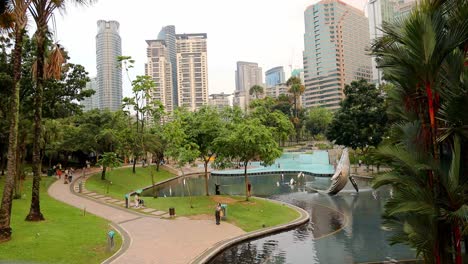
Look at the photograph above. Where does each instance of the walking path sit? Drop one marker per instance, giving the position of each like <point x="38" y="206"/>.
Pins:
<point x="149" y="238"/>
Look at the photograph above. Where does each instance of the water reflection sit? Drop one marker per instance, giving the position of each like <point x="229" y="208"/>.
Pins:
<point x="343" y="229"/>
<point x="346" y="228"/>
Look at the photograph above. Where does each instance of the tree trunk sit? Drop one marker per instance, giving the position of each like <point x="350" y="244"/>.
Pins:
<point x="5" y="208"/>
<point x="103" y="174"/>
<point x="134" y="164"/>
<point x="206" y="177"/>
<point x="2" y="158"/>
<point x="35" y="210"/>
<point x="246" y="181"/>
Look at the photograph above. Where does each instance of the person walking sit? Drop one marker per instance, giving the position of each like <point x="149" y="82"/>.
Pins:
<point x="249" y="189"/>
<point x="218" y="213"/>
<point x="137" y="201"/>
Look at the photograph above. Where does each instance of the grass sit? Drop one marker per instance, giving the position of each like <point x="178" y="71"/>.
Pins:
<point x="124" y="181"/>
<point x="66" y="236"/>
<point x="249" y="216"/>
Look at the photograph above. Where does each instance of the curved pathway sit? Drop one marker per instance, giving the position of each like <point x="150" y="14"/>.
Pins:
<point x="151" y="239"/>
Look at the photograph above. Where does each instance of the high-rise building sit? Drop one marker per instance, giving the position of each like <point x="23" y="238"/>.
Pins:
<point x="91" y="102"/>
<point x="384" y="11"/>
<point x="274" y="76"/>
<point x="109" y="72"/>
<point x="277" y="90"/>
<point x="192" y="70"/>
<point x="168" y="34"/>
<point x="159" y="67"/>
<point x="335" y="42"/>
<point x="248" y="74"/>
<point x="219" y="101"/>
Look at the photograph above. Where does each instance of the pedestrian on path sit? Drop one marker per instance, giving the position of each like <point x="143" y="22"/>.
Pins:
<point x="137" y="201"/>
<point x="218" y="213"/>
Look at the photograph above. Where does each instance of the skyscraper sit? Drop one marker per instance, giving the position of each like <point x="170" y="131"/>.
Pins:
<point x="274" y="76"/>
<point x="248" y="74"/>
<point x="192" y="70"/>
<point x="159" y="67"/>
<point x="384" y="11"/>
<point x="168" y="34"/>
<point x="109" y="74"/>
<point x="335" y="41"/>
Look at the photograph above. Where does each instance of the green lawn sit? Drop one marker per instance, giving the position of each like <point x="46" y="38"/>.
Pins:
<point x="252" y="215"/>
<point x="124" y="181"/>
<point x="249" y="216"/>
<point x="65" y="237"/>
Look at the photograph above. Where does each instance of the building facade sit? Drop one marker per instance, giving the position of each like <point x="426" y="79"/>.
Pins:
<point x="192" y="70"/>
<point x="92" y="102"/>
<point x="219" y="101"/>
<point x="384" y="11"/>
<point x="248" y="74"/>
<point x="109" y="72"/>
<point x="277" y="90"/>
<point x="159" y="67"/>
<point x="168" y="34"/>
<point x="335" y="42"/>
<point x="274" y="76"/>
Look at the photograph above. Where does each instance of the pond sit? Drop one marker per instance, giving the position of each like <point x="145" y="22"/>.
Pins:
<point x="346" y="228"/>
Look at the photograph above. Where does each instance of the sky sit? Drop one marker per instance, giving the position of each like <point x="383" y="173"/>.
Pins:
<point x="269" y="32"/>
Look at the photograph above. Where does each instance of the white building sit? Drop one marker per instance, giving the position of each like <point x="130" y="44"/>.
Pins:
<point x="192" y="70"/>
<point x="248" y="74"/>
<point x="109" y="72"/>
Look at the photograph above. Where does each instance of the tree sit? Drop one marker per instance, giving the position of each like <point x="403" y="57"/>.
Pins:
<point x="108" y="159"/>
<point x="204" y="128"/>
<point x="296" y="89"/>
<point x="179" y="146"/>
<point x="361" y="121"/>
<point x="257" y="90"/>
<point x="20" y="21"/>
<point x="249" y="140"/>
<point x="424" y="57"/>
<point x="317" y="120"/>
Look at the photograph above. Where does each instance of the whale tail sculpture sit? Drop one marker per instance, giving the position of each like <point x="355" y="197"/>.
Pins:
<point x="340" y="178"/>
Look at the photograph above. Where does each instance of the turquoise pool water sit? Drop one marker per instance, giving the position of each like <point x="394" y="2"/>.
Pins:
<point x="316" y="163"/>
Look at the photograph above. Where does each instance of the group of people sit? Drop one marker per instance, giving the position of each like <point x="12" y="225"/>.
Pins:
<point x="68" y="173"/>
<point x="138" y="201"/>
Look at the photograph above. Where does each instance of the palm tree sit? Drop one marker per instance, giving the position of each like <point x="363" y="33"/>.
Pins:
<point x="41" y="11"/>
<point x="424" y="57"/>
<point x="257" y="90"/>
<point x="20" y="19"/>
<point x="296" y="89"/>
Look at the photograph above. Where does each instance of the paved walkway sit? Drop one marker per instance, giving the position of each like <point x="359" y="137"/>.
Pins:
<point x="152" y="239"/>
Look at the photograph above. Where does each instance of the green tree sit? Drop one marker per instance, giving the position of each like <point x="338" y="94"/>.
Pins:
<point x="20" y="19"/>
<point x="317" y="120"/>
<point x="424" y="57"/>
<point x="256" y="90"/>
<point x="249" y="140"/>
<point x="108" y="160"/>
<point x="361" y="121"/>
<point x="296" y="89"/>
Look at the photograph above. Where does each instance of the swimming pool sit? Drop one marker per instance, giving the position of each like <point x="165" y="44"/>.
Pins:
<point x="315" y="164"/>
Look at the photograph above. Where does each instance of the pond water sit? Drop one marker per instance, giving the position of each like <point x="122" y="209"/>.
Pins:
<point x="345" y="228"/>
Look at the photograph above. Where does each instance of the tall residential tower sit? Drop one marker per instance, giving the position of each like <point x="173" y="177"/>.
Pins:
<point x="192" y="70"/>
<point x="335" y="41"/>
<point x="109" y="74"/>
<point x="159" y="67"/>
<point x="248" y="74"/>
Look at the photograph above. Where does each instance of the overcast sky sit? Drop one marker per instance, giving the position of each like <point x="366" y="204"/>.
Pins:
<point x="269" y="32"/>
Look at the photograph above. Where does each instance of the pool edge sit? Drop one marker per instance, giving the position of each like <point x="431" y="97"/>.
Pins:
<point x="217" y="248"/>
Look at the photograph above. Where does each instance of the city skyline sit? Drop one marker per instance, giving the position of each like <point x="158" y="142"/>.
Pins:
<point x="225" y="24"/>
